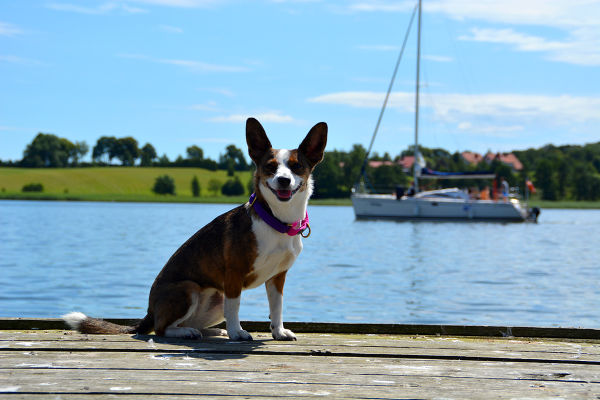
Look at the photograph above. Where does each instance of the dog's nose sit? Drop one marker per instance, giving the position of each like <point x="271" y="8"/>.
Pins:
<point x="283" y="182"/>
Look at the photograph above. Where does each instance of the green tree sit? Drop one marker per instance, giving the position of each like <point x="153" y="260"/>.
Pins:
<point x="147" y="155"/>
<point x="78" y="151"/>
<point x="544" y="176"/>
<point x="127" y="151"/>
<point x="387" y="177"/>
<point x="352" y="164"/>
<point x="33" y="187"/>
<point x="586" y="184"/>
<point x="47" y="150"/>
<point x="329" y="177"/>
<point x="105" y="146"/>
<point x="164" y="185"/>
<point x="196" y="188"/>
<point x="233" y="156"/>
<point x="233" y="187"/>
<point x="164" y="161"/>
<point x="250" y="185"/>
<point x="563" y="173"/>
<point x="195" y="153"/>
<point x="214" y="185"/>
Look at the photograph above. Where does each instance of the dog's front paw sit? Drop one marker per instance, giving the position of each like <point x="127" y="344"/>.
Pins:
<point x="240" y="335"/>
<point x="283" y="334"/>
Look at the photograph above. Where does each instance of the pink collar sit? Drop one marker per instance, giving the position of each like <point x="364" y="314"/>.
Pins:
<point x="293" y="229"/>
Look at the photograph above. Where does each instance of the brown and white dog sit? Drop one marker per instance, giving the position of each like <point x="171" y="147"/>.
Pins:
<point x="201" y="283"/>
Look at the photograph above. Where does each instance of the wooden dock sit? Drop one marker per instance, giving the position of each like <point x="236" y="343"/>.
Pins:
<point x="41" y="360"/>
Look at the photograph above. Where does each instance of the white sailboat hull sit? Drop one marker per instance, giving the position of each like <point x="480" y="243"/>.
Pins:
<point x="439" y="209"/>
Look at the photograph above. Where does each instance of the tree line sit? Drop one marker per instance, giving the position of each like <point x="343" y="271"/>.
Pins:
<point x="50" y="151"/>
<point x="570" y="172"/>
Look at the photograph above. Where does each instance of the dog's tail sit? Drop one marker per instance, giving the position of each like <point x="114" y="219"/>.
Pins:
<point x="84" y="324"/>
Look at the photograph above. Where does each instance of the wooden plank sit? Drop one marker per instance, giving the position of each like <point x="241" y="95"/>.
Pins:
<point x="269" y="376"/>
<point x="353" y="328"/>
<point x="67" y="365"/>
<point x="383" y="346"/>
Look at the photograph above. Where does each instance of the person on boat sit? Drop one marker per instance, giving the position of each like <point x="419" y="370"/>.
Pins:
<point x="495" y="188"/>
<point x="505" y="189"/>
<point x="485" y="193"/>
<point x="411" y="190"/>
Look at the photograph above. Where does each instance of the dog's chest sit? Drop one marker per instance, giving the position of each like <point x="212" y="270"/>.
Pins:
<point x="276" y="252"/>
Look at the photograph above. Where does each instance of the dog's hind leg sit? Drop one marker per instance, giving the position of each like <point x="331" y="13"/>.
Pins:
<point x="175" y="304"/>
<point x="209" y="312"/>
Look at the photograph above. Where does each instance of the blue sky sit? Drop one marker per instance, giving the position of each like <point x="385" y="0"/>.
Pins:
<point x="497" y="74"/>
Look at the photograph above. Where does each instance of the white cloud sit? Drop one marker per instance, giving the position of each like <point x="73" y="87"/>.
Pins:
<point x="392" y="48"/>
<point x="556" y="13"/>
<point x="379" y="47"/>
<point x="366" y="99"/>
<point x="385" y="6"/>
<point x="170" y="29"/>
<point x="181" y="3"/>
<point x="101" y="9"/>
<point x="192" y="65"/>
<point x="274" y="117"/>
<point x="18" y="60"/>
<point x="511" y="109"/>
<point x="583" y="48"/>
<point x="577" y="19"/>
<point x="7" y="29"/>
<point x="508" y="36"/>
<point x="199" y="66"/>
<point x="208" y="106"/>
<point x="497" y="131"/>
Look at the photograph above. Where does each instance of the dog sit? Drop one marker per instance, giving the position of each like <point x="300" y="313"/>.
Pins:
<point x="255" y="243"/>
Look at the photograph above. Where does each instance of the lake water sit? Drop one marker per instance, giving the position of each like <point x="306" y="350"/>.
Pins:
<point x="101" y="259"/>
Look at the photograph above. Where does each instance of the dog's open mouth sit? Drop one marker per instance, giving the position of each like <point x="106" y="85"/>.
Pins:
<point x="283" y="195"/>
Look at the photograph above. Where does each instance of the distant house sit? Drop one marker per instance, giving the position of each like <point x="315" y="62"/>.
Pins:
<point x="377" y="164"/>
<point x="506" y="158"/>
<point x="407" y="162"/>
<point x="471" y="157"/>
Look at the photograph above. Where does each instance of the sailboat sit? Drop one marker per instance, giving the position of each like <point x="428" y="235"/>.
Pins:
<point x="439" y="205"/>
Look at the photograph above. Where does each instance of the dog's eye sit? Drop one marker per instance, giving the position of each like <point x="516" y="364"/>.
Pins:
<point x="271" y="167"/>
<point x="294" y="166"/>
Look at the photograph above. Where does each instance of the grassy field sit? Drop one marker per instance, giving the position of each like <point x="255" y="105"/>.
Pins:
<point x="121" y="184"/>
<point x="113" y="184"/>
<point x="135" y="185"/>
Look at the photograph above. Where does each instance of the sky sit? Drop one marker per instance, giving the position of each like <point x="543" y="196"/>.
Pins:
<point x="496" y="75"/>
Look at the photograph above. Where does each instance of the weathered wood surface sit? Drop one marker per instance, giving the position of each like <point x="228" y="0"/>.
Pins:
<point x="354" y="328"/>
<point x="63" y="364"/>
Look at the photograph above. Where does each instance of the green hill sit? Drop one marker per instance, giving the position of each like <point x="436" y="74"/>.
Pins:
<point x="113" y="183"/>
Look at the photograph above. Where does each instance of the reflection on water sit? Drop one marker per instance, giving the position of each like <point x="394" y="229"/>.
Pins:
<point x="101" y="258"/>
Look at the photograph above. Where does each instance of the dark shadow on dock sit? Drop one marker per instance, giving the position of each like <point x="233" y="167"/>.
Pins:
<point x="210" y="348"/>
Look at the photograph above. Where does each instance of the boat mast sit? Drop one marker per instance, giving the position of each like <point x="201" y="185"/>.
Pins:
<point x="416" y="151"/>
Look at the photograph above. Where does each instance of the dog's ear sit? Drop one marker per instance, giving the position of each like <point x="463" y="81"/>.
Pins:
<point x="313" y="145"/>
<point x="258" y="142"/>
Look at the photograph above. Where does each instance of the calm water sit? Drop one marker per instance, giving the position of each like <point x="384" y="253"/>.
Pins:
<point x="101" y="258"/>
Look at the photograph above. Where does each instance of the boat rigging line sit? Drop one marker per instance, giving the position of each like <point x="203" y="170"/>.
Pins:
<point x="363" y="170"/>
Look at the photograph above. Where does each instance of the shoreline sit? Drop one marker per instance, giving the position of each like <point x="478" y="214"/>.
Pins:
<point x="151" y="198"/>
